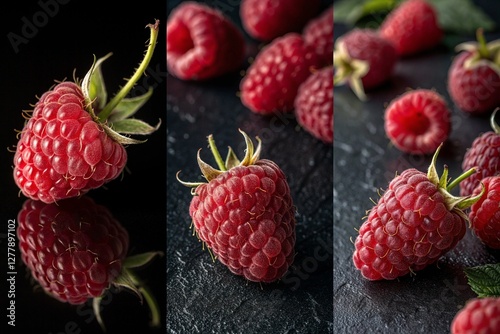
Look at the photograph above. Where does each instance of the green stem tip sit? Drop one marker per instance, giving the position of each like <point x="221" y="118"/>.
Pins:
<point x="482" y="49"/>
<point x="460" y="178"/>
<point x="148" y="296"/>
<point x="110" y="106"/>
<point x="216" y="153"/>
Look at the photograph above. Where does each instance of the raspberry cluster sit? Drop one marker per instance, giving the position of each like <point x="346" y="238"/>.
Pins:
<point x="244" y="213"/>
<point x="417" y="220"/>
<point x="297" y="41"/>
<point x="365" y="58"/>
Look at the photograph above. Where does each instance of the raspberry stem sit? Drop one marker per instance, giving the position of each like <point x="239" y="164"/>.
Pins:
<point x="459" y="179"/>
<point x="452" y="202"/>
<point x="216" y="154"/>
<point x="482" y="48"/>
<point x="147" y="294"/>
<point x="110" y="106"/>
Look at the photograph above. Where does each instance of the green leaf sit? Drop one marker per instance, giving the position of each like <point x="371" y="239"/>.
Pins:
<point x="129" y="106"/>
<point x="351" y="12"/>
<point x="134" y="126"/>
<point x="462" y="17"/>
<point x="139" y="260"/>
<point x="484" y="280"/>
<point x="347" y="11"/>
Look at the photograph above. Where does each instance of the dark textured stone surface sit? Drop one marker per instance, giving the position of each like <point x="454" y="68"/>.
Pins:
<point x="204" y="296"/>
<point x="365" y="161"/>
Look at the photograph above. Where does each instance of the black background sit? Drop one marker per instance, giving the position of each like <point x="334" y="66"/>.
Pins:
<point x="64" y="39"/>
<point x="204" y="296"/>
<point x="364" y="161"/>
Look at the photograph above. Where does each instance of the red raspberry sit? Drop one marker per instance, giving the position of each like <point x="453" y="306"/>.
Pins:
<point x="74" y="249"/>
<point x="245" y="214"/>
<point x="69" y="146"/>
<point x="62" y="151"/>
<point x="474" y="77"/>
<point x="413" y="224"/>
<point x="418" y="121"/>
<point x="412" y="27"/>
<point x="271" y="82"/>
<point x="484" y="155"/>
<point x="484" y="215"/>
<point x="202" y="43"/>
<point x="314" y="104"/>
<point x="364" y="60"/>
<point x="479" y="315"/>
<point x="319" y="32"/>
<point x="266" y="20"/>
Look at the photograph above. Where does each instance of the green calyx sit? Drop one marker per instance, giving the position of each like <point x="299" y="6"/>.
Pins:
<point x="115" y="115"/>
<point x="453" y="203"/>
<point x="129" y="280"/>
<point x="348" y="70"/>
<point x="483" y="53"/>
<point x="252" y="155"/>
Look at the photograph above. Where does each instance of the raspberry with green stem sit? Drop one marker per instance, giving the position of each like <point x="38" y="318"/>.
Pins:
<point x="74" y="140"/>
<point x="244" y="213"/>
<point x="415" y="222"/>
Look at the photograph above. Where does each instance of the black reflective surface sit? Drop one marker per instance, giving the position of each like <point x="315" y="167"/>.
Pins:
<point x="204" y="296"/>
<point x="46" y="41"/>
<point x="365" y="161"/>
